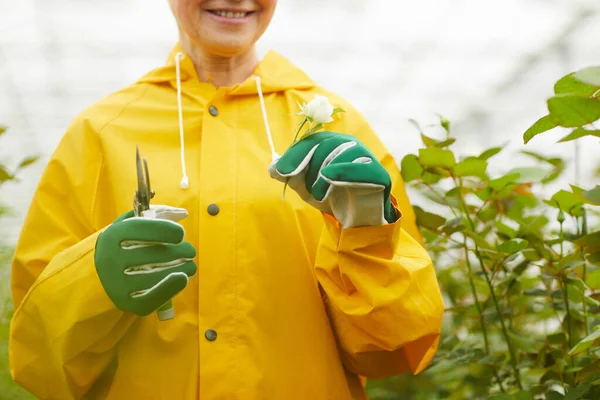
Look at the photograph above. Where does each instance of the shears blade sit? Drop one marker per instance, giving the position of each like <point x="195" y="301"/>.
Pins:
<point x="143" y="194"/>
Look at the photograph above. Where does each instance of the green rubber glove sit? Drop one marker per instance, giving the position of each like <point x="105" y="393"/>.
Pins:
<point x="144" y="262"/>
<point x="340" y="176"/>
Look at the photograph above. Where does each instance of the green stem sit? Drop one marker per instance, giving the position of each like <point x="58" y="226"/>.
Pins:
<point x="513" y="358"/>
<point x="568" y="316"/>
<point x="480" y="312"/>
<point x="477" y="304"/>
<point x="485" y="203"/>
<point x="585" y="314"/>
<point x="300" y="126"/>
<point x="442" y="198"/>
<point x="561" y="220"/>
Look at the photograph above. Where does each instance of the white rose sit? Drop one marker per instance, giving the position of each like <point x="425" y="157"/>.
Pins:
<point x="318" y="109"/>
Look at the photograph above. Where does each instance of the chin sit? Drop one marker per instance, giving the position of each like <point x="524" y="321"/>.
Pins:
<point x="229" y="48"/>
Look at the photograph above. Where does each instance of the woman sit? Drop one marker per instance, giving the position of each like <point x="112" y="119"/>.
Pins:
<point x="272" y="299"/>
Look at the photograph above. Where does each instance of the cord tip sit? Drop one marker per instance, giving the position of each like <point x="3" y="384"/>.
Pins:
<point x="185" y="183"/>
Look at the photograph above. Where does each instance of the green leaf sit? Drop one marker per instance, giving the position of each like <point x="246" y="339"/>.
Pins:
<point x="427" y="219"/>
<point x="589" y="76"/>
<point x="489" y="153"/>
<point x="530" y="174"/>
<point x="479" y="240"/>
<point x="506" y="230"/>
<point x="572" y="264"/>
<point x="576" y="189"/>
<point x="589" y="241"/>
<point x="445" y="123"/>
<point x="446" y="143"/>
<point x="589" y="371"/>
<point x="521" y="267"/>
<point x="592" y="196"/>
<point x="527" y="395"/>
<point x="532" y="255"/>
<point x="431" y="142"/>
<point x="590" y="244"/>
<point x="503" y="181"/>
<point x="488" y="214"/>
<point x="542" y="125"/>
<point x="338" y="110"/>
<point x="526" y="343"/>
<point x="552" y="395"/>
<point x="570" y="84"/>
<point x="536" y="292"/>
<point x="572" y="111"/>
<point x="5" y="175"/>
<point x="566" y="201"/>
<point x="591" y="301"/>
<point x="577" y="392"/>
<point x="311" y="131"/>
<point x="593" y="279"/>
<point x="470" y="167"/>
<point x="578" y="283"/>
<point x="517" y="396"/>
<point x="501" y="396"/>
<point x="410" y="168"/>
<point x="3" y="129"/>
<point x="513" y="246"/>
<point x="415" y="124"/>
<point x="585" y="343"/>
<point x="557" y="338"/>
<point x="28" y="161"/>
<point x="435" y="157"/>
<point x="427" y="141"/>
<point x="484" y="194"/>
<point x="453" y="225"/>
<point x="579" y="133"/>
<point x="555" y="161"/>
<point x="430" y="178"/>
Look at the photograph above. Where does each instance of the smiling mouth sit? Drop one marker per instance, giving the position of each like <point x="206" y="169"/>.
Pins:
<point x="231" y="14"/>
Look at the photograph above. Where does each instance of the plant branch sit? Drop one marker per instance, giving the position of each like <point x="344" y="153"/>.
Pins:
<point x="511" y="350"/>
<point x="442" y="198"/>
<point x="477" y="304"/>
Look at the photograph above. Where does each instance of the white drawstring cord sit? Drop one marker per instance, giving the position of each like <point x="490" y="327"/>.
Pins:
<point x="184" y="184"/>
<point x="274" y="155"/>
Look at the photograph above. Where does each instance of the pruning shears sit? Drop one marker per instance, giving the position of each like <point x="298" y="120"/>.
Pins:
<point x="141" y="204"/>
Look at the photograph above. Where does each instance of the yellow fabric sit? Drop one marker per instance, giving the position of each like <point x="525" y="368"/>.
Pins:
<point x="301" y="307"/>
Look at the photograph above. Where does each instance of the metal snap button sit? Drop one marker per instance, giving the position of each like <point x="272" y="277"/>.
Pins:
<point x="213" y="209"/>
<point x="210" y="335"/>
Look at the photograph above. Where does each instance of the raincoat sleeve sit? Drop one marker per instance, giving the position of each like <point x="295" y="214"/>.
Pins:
<point x="64" y="328"/>
<point x="380" y="287"/>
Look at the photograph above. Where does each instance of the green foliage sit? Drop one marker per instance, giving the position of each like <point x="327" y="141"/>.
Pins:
<point x="8" y="389"/>
<point x="575" y="105"/>
<point x="520" y="271"/>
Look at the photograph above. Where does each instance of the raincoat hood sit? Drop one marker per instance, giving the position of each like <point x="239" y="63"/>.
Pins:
<point x="273" y="74"/>
<point x="275" y="71"/>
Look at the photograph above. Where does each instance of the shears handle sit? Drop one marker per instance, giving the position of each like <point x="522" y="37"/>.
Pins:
<point x="166" y="311"/>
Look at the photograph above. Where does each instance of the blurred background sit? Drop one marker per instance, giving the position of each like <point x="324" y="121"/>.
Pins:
<point x="488" y="66"/>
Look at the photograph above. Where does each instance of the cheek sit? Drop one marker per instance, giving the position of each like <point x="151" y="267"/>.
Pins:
<point x="183" y="8"/>
<point x="268" y="7"/>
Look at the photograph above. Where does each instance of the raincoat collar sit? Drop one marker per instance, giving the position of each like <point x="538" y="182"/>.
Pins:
<point x="276" y="72"/>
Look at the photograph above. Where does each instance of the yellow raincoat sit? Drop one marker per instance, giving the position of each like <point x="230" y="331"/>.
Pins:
<point x="301" y="307"/>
